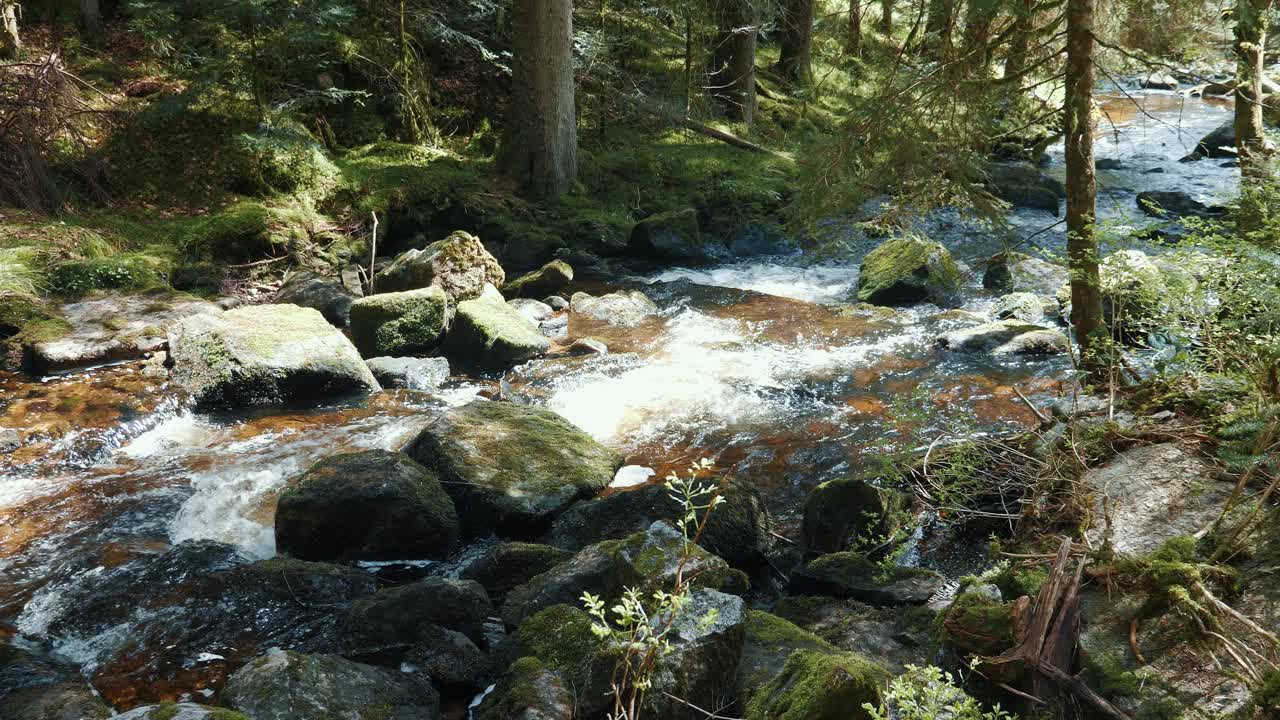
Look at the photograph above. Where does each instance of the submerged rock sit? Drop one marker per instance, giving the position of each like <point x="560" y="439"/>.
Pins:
<point x="399" y="323"/>
<point x="906" y="271"/>
<point x="849" y="574"/>
<point x="843" y="514"/>
<point x="528" y="691"/>
<point x="371" y="505"/>
<point x="176" y="711"/>
<point x="409" y="373"/>
<point x="588" y="346"/>
<point x="1006" y="337"/>
<point x="31" y="687"/>
<point x="284" y="685"/>
<point x="675" y="235"/>
<point x="511" y="468"/>
<point x="265" y="354"/>
<point x="488" y="334"/>
<point x="626" y="308"/>
<point x="549" y="279"/>
<point x="326" y="294"/>
<point x="113" y="329"/>
<point x="459" y="265"/>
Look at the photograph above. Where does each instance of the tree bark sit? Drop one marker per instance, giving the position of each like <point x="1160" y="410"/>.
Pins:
<point x="90" y="21"/>
<point x="939" y="21"/>
<point x="977" y="36"/>
<point x="733" y="59"/>
<point x="853" y="41"/>
<point x="540" y="142"/>
<point x="1020" y="43"/>
<point x="10" y="42"/>
<point x="1082" y="185"/>
<point x="886" y="17"/>
<point x="795" y="57"/>
<point x="1251" y="34"/>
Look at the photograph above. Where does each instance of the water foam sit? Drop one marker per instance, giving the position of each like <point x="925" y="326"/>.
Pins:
<point x="817" y="283"/>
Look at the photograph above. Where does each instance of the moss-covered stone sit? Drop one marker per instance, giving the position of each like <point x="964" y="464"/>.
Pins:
<point x="1134" y="290"/>
<point x="459" y="265"/>
<point x="850" y="513"/>
<point x="511" y="467"/>
<point x="817" y="685"/>
<point x="125" y="271"/>
<point x="399" y="616"/>
<point x="511" y="564"/>
<point x="528" y="690"/>
<point x="399" y="324"/>
<point x="906" y="271"/>
<point x="770" y="641"/>
<point x="1006" y="337"/>
<point x="488" y="334"/>
<point x="265" y="354"/>
<point x="371" y="505"/>
<point x="675" y="235"/>
<point x="1012" y="272"/>
<point x="180" y="711"/>
<point x="977" y="625"/>
<point x="849" y="574"/>
<point x="550" y="279"/>
<point x="560" y="637"/>
<point x="249" y="230"/>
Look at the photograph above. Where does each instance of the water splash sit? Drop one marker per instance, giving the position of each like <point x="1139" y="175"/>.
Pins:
<point x="816" y="283"/>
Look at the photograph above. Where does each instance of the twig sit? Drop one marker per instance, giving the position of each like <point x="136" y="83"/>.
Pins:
<point x="373" y="251"/>
<point x="1043" y="420"/>
<point x="709" y="715"/>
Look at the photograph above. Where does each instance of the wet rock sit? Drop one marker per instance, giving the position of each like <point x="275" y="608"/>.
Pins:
<point x="1108" y="164"/>
<point x="532" y="310"/>
<point x="1154" y="493"/>
<point x="755" y="239"/>
<point x="1159" y="81"/>
<point x="894" y="636"/>
<point x="265" y="354"/>
<point x="908" y="270"/>
<point x="528" y="691"/>
<point x="488" y="334"/>
<point x="511" y="564"/>
<point x="449" y="658"/>
<point x="675" y="235"/>
<point x="399" y="323"/>
<point x="849" y="574"/>
<point x="184" y="619"/>
<point x="1016" y="272"/>
<point x="958" y="317"/>
<point x="770" y="640"/>
<point x="1219" y="143"/>
<point x="459" y="265"/>
<point x="394" y="620"/>
<point x="371" y="505"/>
<point x="284" y="685"/>
<point x="817" y="685"/>
<point x="644" y="560"/>
<point x="1023" y="306"/>
<point x="546" y="280"/>
<point x="847" y="513"/>
<point x="511" y="468"/>
<point x="1025" y="186"/>
<point x="113" y="329"/>
<point x="1131" y="280"/>
<point x="560" y="640"/>
<point x="626" y="308"/>
<point x="556" y="302"/>
<point x="1176" y="204"/>
<point x="326" y="294"/>
<point x="588" y="346"/>
<point x="738" y="530"/>
<point x="180" y="711"/>
<point x="10" y="440"/>
<point x="409" y="373"/>
<point x="1006" y="337"/>
<point x="32" y="687"/>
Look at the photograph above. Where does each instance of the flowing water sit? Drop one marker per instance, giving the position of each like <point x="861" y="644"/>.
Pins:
<point x="763" y="366"/>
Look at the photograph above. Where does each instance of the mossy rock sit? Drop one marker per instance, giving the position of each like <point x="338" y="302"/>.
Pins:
<point x="459" y="265"/>
<point x="528" y="690"/>
<point x="819" y="685"/>
<point x="550" y="279"/>
<point x="181" y="711"/>
<point x="398" y="616"/>
<point x="511" y="564"/>
<point x="282" y="157"/>
<point x="488" y="334"/>
<point x="249" y="230"/>
<point x="1011" y="272"/>
<point x="399" y="324"/>
<point x="909" y="270"/>
<point x="675" y="235"/>
<point x="265" y="354"/>
<point x="850" y="513"/>
<point x="850" y="574"/>
<point x="975" y="624"/>
<point x="770" y="641"/>
<point x="125" y="271"/>
<point x="510" y="468"/>
<point x="1006" y="337"/>
<point x="371" y="505"/>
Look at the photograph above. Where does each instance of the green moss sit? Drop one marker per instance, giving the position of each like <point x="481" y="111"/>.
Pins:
<point x="251" y="230"/>
<point x="126" y="271"/>
<point x="1266" y="697"/>
<point x="908" y="269"/>
<point x="164" y="711"/>
<point x="399" y="324"/>
<point x="561" y="638"/>
<point x="1015" y="582"/>
<point x="977" y="625"/>
<point x="819" y="686"/>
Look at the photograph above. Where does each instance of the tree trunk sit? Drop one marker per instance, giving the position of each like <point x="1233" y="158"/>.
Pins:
<point x="1020" y="43"/>
<point x="794" y="60"/>
<point x="10" y="43"/>
<point x="733" y="59"/>
<point x="853" y="41"/>
<point x="1251" y="33"/>
<point x="977" y="36"/>
<point x="937" y="27"/>
<point x="90" y="21"/>
<point x="886" y="17"/>
<point x="1082" y="184"/>
<point x="540" y="143"/>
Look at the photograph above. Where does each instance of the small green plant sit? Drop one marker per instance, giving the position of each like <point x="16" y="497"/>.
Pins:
<point x="927" y="693"/>
<point x="637" y="634"/>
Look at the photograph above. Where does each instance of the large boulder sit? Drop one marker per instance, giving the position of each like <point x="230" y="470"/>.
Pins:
<point x="174" y="711"/>
<point x="1011" y="272"/>
<point x="1022" y="306"/>
<point x="626" y="308"/>
<point x="849" y="513"/>
<point x="488" y="334"/>
<point x="409" y="373"/>
<point x="1176" y="204"/>
<point x="399" y="323"/>
<point x="550" y="279"/>
<point x="459" y="265"/>
<point x="647" y="560"/>
<point x="326" y="294"/>
<point x="511" y="468"/>
<point x="1025" y="186"/>
<point x="737" y="530"/>
<point x="449" y="658"/>
<point x="908" y="270"/>
<point x="284" y="685"/>
<point x="1006" y="337"/>
<point x="509" y="565"/>
<point x="851" y="575"/>
<point x="264" y="354"/>
<point x="675" y="235"/>
<point x="395" y="620"/>
<point x="370" y="505"/>
<point x="894" y="636"/>
<point x="817" y="685"/>
<point x="1219" y="143"/>
<point x="528" y="691"/>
